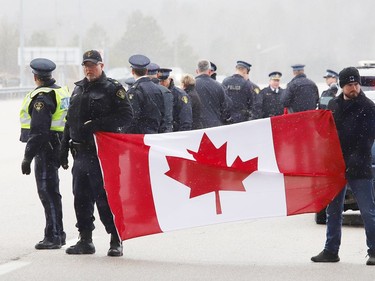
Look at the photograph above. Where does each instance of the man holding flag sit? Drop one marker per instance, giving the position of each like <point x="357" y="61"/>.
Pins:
<point x="354" y="116"/>
<point x="98" y="103"/>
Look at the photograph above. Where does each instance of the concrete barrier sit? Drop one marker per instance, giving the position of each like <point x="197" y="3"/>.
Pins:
<point x="14" y="92"/>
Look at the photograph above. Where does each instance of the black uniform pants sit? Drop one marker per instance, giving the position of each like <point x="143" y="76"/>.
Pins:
<point x="47" y="181"/>
<point x="88" y="189"/>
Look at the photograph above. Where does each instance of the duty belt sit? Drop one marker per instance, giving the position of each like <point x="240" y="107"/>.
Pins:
<point x="80" y="146"/>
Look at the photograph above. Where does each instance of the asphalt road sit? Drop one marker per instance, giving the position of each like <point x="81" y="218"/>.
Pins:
<point x="263" y="249"/>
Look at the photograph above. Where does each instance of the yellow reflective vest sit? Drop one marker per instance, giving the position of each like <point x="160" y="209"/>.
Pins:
<point x="58" y="117"/>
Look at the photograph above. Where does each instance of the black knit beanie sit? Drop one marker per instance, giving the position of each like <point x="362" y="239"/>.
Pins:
<point x="349" y="75"/>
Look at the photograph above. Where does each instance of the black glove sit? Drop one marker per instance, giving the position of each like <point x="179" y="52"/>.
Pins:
<point x="25" y="167"/>
<point x="63" y="157"/>
<point x="64" y="163"/>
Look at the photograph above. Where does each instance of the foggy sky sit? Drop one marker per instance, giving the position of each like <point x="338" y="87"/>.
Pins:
<point x="269" y="34"/>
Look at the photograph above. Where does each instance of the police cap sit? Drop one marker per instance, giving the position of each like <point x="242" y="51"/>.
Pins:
<point x="276" y="75"/>
<point x="163" y="73"/>
<point x="297" y="67"/>
<point x="152" y="68"/>
<point x="42" y="67"/>
<point x="244" y="64"/>
<point x="129" y="81"/>
<point x="213" y="66"/>
<point x="92" y="56"/>
<point x="331" y="73"/>
<point x="139" y="61"/>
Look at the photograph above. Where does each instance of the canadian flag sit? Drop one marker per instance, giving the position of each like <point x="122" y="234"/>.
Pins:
<point x="278" y="166"/>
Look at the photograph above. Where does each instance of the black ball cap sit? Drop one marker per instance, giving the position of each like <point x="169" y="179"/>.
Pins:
<point x="42" y="66"/>
<point x="92" y="56"/>
<point x="139" y="61"/>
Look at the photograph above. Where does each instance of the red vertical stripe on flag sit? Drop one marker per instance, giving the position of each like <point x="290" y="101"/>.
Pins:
<point x="124" y="160"/>
<point x="308" y="153"/>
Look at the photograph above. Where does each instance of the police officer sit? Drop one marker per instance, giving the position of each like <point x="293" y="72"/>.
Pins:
<point x="268" y="102"/>
<point x="182" y="111"/>
<point x="240" y="91"/>
<point x="42" y="122"/>
<point x="354" y="116"/>
<point x="331" y="80"/>
<point x="145" y="97"/>
<point x="98" y="103"/>
<point x="188" y="85"/>
<point x="301" y="93"/>
<point x="166" y="125"/>
<point x="255" y="88"/>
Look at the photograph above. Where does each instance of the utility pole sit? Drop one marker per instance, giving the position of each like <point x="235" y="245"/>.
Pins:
<point x="21" y="48"/>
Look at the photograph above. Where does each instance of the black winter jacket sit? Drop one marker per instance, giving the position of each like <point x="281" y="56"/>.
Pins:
<point x="355" y="122"/>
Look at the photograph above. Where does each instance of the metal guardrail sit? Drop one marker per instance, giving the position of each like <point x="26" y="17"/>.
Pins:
<point x="14" y="92"/>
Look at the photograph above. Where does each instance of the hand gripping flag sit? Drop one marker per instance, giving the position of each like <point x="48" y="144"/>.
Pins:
<point x="278" y="166"/>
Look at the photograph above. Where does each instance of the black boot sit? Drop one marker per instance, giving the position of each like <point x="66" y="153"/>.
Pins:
<point x="115" y="249"/>
<point x="63" y="238"/>
<point x="84" y="245"/>
<point x="371" y="259"/>
<point x="49" y="243"/>
<point x="325" y="256"/>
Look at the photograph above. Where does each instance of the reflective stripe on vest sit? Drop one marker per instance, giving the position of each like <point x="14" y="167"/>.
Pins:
<point x="58" y="117"/>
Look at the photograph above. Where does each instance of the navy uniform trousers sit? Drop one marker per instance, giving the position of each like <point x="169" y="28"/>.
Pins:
<point x="88" y="189"/>
<point x="47" y="182"/>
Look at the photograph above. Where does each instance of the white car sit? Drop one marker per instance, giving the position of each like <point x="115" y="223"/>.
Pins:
<point x="368" y="80"/>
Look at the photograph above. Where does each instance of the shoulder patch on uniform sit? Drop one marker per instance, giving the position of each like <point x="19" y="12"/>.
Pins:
<point x="38" y="105"/>
<point x="114" y="81"/>
<point x="121" y="94"/>
<point x="65" y="103"/>
<point x="185" y="99"/>
<point x="257" y="90"/>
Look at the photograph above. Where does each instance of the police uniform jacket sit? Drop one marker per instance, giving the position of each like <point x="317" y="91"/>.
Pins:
<point x="301" y="94"/>
<point x="166" y="125"/>
<point x="196" y="107"/>
<point x="182" y="111"/>
<point x="355" y="122"/>
<point x="102" y="101"/>
<point x="147" y="113"/>
<point x="40" y="136"/>
<point x="214" y="101"/>
<point x="268" y="103"/>
<point x="240" y="91"/>
<point x="329" y="93"/>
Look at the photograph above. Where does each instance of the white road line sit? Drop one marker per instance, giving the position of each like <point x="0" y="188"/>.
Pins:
<point x="11" y="266"/>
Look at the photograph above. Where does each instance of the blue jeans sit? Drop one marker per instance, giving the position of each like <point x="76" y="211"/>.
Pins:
<point x="363" y="192"/>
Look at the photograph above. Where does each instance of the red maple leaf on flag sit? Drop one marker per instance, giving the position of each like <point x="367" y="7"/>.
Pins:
<point x="210" y="173"/>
